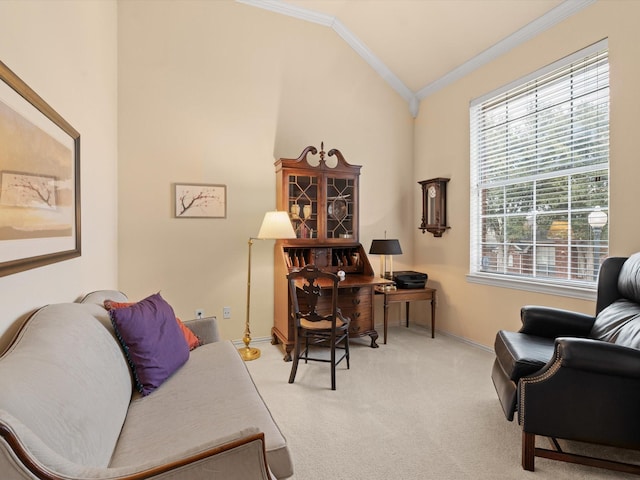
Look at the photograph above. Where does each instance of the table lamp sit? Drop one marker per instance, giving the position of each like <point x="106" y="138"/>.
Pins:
<point x="386" y="247"/>
<point x="275" y="225"/>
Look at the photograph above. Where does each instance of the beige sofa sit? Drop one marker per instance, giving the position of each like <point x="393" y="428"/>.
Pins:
<point x="68" y="409"/>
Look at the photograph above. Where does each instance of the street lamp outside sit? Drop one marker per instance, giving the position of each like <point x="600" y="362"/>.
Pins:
<point x="597" y="220"/>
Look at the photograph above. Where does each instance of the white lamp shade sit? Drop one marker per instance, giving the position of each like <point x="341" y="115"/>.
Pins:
<point x="276" y="225"/>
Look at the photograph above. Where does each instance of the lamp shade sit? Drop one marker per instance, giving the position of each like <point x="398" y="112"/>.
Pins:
<point x="276" y="225"/>
<point x="385" y="247"/>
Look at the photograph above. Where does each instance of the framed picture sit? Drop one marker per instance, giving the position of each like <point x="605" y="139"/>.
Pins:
<point x="39" y="180"/>
<point x="197" y="200"/>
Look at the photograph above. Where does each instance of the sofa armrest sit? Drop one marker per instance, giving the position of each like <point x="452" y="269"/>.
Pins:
<point x="554" y="322"/>
<point x="206" y="329"/>
<point x="238" y="457"/>
<point x="236" y="460"/>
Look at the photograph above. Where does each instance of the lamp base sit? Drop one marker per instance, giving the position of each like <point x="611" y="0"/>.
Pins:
<point x="249" y="353"/>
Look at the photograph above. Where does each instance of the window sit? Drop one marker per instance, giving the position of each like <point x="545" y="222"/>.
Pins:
<point x="540" y="177"/>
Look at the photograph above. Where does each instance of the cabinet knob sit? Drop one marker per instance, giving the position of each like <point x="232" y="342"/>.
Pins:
<point x="356" y="301"/>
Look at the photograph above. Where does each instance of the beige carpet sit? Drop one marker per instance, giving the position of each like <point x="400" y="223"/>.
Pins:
<point x="416" y="408"/>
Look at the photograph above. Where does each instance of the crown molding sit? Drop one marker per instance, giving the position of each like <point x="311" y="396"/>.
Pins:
<point x="546" y="21"/>
<point x="337" y="26"/>
<point x="279" y="6"/>
<point x="377" y="64"/>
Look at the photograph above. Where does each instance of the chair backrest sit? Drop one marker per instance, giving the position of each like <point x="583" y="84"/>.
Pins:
<point x="619" y="278"/>
<point x="629" y="278"/>
<point x="314" y="294"/>
<point x="608" y="282"/>
<point x="618" y="306"/>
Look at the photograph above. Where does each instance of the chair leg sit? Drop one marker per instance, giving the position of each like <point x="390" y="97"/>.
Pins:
<point x="294" y="369"/>
<point x="333" y="365"/>
<point x="346" y="347"/>
<point x="294" y="365"/>
<point x="306" y="349"/>
<point x="528" y="451"/>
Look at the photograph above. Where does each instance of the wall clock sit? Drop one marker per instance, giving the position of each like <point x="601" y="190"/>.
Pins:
<point x="434" y="206"/>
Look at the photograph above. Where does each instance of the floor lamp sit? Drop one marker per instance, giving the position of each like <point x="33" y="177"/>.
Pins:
<point x="275" y="225"/>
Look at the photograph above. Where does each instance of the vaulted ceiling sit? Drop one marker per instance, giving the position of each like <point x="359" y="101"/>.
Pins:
<point x="419" y="46"/>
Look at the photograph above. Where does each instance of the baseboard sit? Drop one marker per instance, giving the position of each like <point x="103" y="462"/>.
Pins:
<point x="467" y="341"/>
<point x="239" y="343"/>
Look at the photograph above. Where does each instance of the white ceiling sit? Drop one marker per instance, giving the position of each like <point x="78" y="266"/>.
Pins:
<point x="419" y="46"/>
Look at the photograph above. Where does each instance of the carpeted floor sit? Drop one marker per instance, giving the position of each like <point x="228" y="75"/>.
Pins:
<point x="416" y="408"/>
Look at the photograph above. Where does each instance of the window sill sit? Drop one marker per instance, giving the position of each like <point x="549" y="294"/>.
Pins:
<point x="563" y="290"/>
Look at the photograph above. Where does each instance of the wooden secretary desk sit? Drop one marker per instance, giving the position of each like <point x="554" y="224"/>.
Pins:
<point x="322" y="201"/>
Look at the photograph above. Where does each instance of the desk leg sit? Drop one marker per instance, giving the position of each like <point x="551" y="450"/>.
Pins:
<point x="433" y="316"/>
<point x="374" y="337"/>
<point x="386" y="318"/>
<point x="407" y="304"/>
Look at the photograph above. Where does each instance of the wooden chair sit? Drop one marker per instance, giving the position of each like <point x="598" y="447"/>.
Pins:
<point x="318" y="320"/>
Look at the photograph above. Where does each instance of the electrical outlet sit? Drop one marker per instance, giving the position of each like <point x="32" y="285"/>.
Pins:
<point x="199" y="313"/>
<point x="226" y="312"/>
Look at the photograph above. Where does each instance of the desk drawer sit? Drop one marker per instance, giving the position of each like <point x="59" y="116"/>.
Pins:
<point x="355" y="303"/>
<point x="349" y="304"/>
<point x="354" y="296"/>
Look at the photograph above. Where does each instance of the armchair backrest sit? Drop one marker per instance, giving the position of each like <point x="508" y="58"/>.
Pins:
<point x="629" y="278"/>
<point x="618" y="306"/>
<point x="608" y="291"/>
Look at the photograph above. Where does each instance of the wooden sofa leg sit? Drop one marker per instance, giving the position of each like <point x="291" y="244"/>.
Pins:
<point x="528" y="450"/>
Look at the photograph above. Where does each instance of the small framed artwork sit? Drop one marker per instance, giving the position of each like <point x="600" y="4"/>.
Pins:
<point x="39" y="180"/>
<point x="198" y="200"/>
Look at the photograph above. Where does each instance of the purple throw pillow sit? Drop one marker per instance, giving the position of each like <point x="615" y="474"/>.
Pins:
<point x="153" y="343"/>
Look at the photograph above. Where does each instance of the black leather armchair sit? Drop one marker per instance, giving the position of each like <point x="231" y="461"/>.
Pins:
<point x="575" y="376"/>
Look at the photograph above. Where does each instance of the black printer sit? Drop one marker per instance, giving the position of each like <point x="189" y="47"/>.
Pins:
<point x="409" y="279"/>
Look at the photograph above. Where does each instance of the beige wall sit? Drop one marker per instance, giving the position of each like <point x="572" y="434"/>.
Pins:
<point x="66" y="52"/>
<point x="476" y="312"/>
<point x="215" y="92"/>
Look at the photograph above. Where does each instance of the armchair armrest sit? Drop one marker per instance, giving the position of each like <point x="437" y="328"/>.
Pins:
<point x="206" y="329"/>
<point x="598" y="357"/>
<point x="554" y="322"/>
<point x="589" y="391"/>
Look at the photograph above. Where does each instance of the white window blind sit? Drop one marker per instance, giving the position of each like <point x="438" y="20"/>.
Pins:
<point x="540" y="174"/>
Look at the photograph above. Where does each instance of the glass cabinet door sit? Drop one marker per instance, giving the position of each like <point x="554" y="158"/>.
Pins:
<point x="322" y="198"/>
<point x="303" y="205"/>
<point x="341" y="197"/>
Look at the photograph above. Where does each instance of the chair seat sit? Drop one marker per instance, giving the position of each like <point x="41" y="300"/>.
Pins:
<point x="520" y="354"/>
<point x="321" y="324"/>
